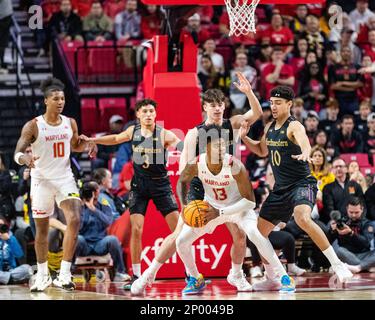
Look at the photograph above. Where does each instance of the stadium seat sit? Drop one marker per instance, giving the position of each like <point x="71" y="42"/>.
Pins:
<point x="102" y="58"/>
<point x="361" y="158"/>
<point x="108" y="107"/>
<point x="89" y="116"/>
<point x="70" y="48"/>
<point x="367" y="170"/>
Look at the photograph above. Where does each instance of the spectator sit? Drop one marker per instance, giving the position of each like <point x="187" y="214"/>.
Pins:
<point x="353" y="167"/>
<point x="331" y="123"/>
<point x="151" y="22"/>
<point x="354" y="238"/>
<point x="320" y="169"/>
<point x="209" y="48"/>
<point x="105" y="153"/>
<point x="208" y="76"/>
<point x="65" y="24"/>
<point x="97" y="26"/>
<point x="82" y="7"/>
<point x="194" y="29"/>
<point x="361" y="14"/>
<point x="367" y="92"/>
<point x="370" y="70"/>
<point x="347" y="140"/>
<point x="370" y="202"/>
<point x="335" y="34"/>
<point x="370" y="48"/>
<point x="358" y="177"/>
<point x="93" y="238"/>
<point x="320" y="139"/>
<point x="279" y="35"/>
<point x="6" y="12"/>
<point x="104" y="179"/>
<point x="277" y="72"/>
<point x="316" y="39"/>
<point x="361" y="119"/>
<point x="363" y="35"/>
<point x="311" y="125"/>
<point x="10" y="251"/>
<point x="346" y="40"/>
<point x="313" y="88"/>
<point x="238" y="98"/>
<point x="299" y="56"/>
<point x="128" y="22"/>
<point x="369" y="137"/>
<point x="298" y="24"/>
<point x="264" y="57"/>
<point x="298" y="110"/>
<point x="7" y="209"/>
<point x="337" y="193"/>
<point x="344" y="81"/>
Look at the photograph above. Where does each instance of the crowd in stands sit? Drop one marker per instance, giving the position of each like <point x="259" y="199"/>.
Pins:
<point x="332" y="71"/>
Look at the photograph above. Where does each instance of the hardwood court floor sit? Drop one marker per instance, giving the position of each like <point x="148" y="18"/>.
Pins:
<point x="310" y="287"/>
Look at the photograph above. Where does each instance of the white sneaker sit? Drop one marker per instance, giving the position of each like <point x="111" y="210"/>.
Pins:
<point x="342" y="272"/>
<point x="121" y="277"/>
<point x="138" y="287"/>
<point x="239" y="281"/>
<point x="64" y="281"/>
<point x="256" y="272"/>
<point x="296" y="271"/>
<point x="41" y="283"/>
<point x="267" y="285"/>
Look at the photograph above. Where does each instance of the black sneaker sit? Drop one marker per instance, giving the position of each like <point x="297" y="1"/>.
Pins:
<point x="128" y="285"/>
<point x="64" y="282"/>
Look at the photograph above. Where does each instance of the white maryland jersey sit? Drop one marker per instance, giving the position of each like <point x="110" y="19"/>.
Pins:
<point x="220" y="190"/>
<point x="52" y="146"/>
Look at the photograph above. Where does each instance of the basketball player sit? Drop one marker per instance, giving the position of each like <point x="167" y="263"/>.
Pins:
<point x="150" y="181"/>
<point x="213" y="102"/>
<point x="288" y="149"/>
<point x="52" y="137"/>
<point x="231" y="198"/>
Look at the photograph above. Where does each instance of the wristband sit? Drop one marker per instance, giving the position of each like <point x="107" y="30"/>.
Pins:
<point x="17" y="157"/>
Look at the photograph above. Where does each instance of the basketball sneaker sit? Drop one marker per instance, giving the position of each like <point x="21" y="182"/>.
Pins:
<point x="127" y="286"/>
<point x="239" y="281"/>
<point x="138" y="287"/>
<point x="41" y="283"/>
<point x="294" y="270"/>
<point x="267" y="285"/>
<point x="256" y="272"/>
<point x="194" y="285"/>
<point x="342" y="272"/>
<point x="121" y="277"/>
<point x="64" y="281"/>
<point x="287" y="284"/>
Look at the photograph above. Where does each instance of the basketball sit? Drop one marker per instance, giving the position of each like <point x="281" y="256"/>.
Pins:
<point x="192" y="213"/>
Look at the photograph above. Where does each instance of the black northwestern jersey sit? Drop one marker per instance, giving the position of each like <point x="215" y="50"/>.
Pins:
<point x="227" y="135"/>
<point x="149" y="155"/>
<point x="286" y="170"/>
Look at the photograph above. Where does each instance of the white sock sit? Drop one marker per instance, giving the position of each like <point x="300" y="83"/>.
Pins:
<point x="136" y="269"/>
<point x="270" y="272"/>
<point x="155" y="266"/>
<point x="65" y="267"/>
<point x="236" y="267"/>
<point x="43" y="268"/>
<point x="331" y="256"/>
<point x="291" y="266"/>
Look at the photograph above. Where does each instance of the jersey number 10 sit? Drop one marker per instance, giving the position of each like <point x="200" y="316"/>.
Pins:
<point x="58" y="150"/>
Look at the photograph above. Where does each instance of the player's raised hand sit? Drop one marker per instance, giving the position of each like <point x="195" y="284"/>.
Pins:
<point x="243" y="84"/>
<point x="29" y="160"/>
<point x="302" y="157"/>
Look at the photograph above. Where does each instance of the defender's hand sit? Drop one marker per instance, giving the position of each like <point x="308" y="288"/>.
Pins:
<point x="93" y="150"/>
<point x="29" y="160"/>
<point x="244" y="129"/>
<point x="243" y="85"/>
<point x="302" y="157"/>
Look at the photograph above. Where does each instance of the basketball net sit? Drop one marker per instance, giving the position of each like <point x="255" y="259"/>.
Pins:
<point x="241" y="16"/>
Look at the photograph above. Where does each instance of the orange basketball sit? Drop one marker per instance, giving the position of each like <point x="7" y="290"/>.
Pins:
<point x="192" y="213"/>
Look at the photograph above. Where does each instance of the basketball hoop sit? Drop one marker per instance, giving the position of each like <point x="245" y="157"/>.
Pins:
<point x="241" y="16"/>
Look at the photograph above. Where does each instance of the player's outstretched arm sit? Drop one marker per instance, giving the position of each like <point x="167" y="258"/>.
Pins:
<point x="171" y="140"/>
<point x="80" y="145"/>
<point x="190" y="171"/>
<point x="298" y="132"/>
<point x="258" y="147"/>
<point x="111" y="139"/>
<point x="29" y="134"/>
<point x="256" y="109"/>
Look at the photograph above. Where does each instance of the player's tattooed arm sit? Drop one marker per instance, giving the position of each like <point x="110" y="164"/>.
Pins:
<point x="297" y="132"/>
<point x="190" y="171"/>
<point x="255" y="112"/>
<point x="258" y="147"/>
<point x="29" y="134"/>
<point x="111" y="139"/>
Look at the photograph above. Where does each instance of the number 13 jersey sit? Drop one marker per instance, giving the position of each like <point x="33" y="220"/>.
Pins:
<point x="52" y="146"/>
<point x="219" y="190"/>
